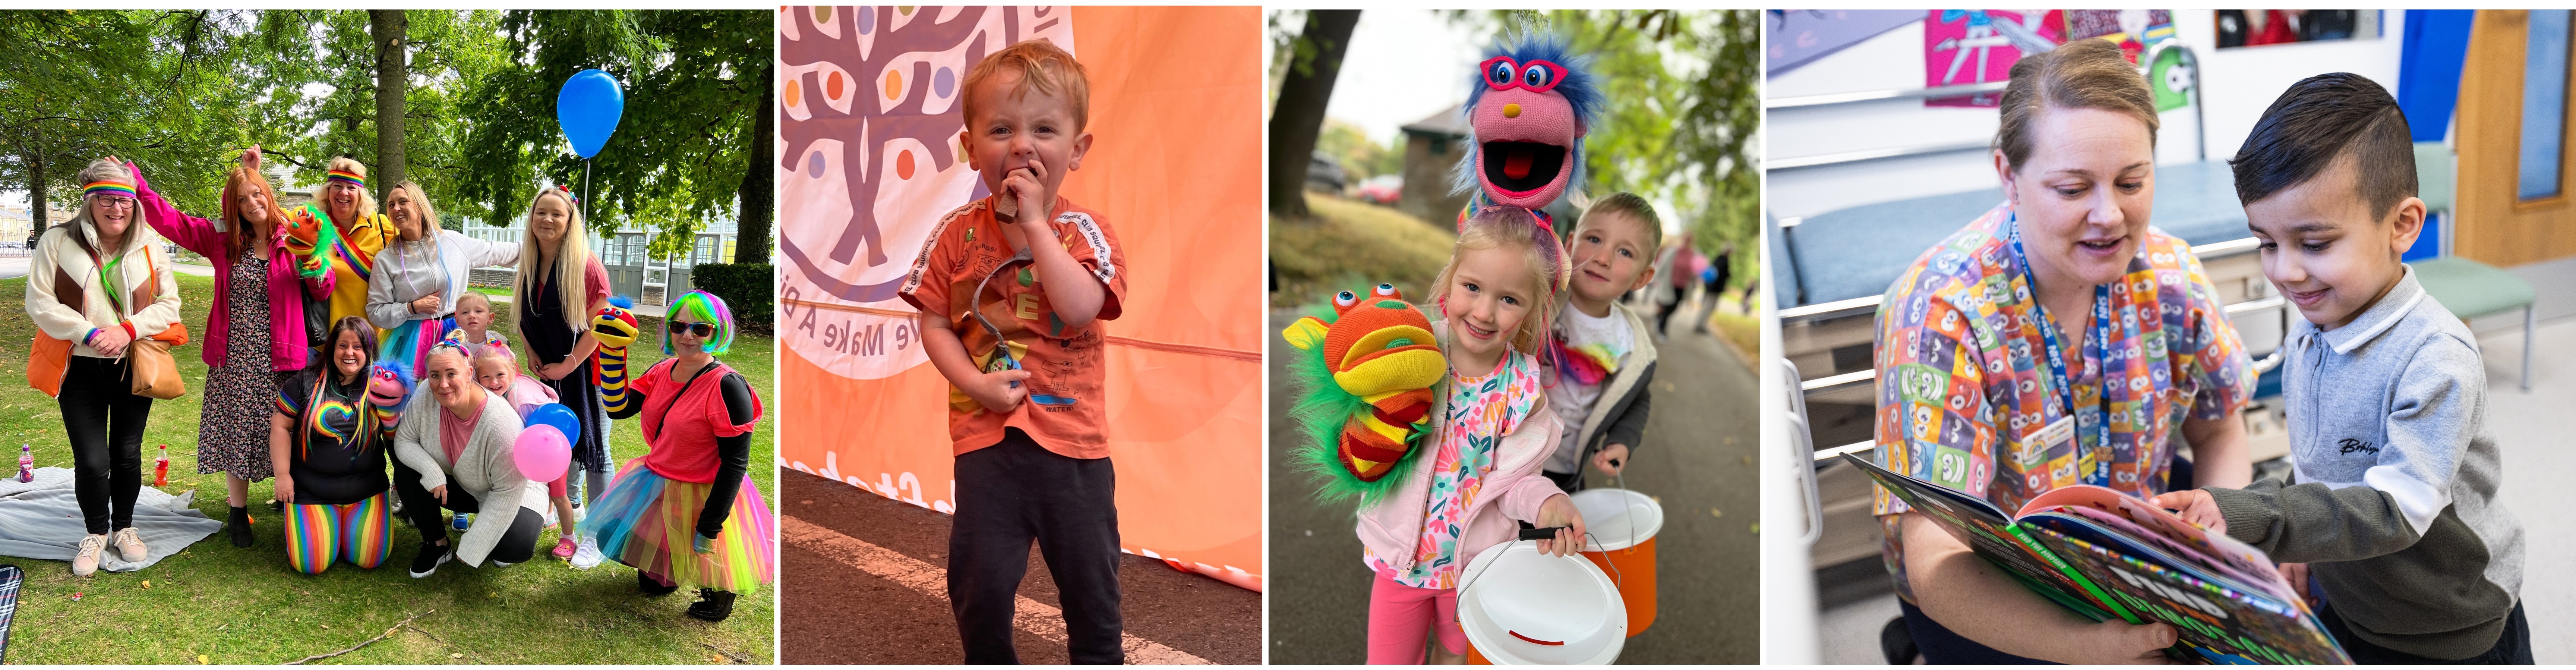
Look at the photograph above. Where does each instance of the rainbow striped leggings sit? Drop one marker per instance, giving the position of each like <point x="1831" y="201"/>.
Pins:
<point x="359" y="532"/>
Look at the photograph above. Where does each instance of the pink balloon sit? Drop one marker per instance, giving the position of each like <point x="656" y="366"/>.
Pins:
<point x="542" y="453"/>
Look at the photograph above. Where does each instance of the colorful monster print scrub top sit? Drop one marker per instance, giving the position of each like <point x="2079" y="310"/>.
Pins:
<point x="969" y="267"/>
<point x="1965" y="391"/>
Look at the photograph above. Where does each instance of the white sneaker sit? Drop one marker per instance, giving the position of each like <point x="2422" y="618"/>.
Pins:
<point x="587" y="556"/>
<point x="129" y="545"/>
<point x="85" y="561"/>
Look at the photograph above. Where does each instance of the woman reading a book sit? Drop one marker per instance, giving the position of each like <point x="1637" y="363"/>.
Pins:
<point x="2057" y="340"/>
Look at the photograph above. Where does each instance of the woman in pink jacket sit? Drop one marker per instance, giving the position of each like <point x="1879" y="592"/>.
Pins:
<point x="255" y="333"/>
<point x="1478" y="470"/>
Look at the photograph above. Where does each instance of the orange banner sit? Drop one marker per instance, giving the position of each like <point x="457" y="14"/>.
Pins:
<point x="868" y="162"/>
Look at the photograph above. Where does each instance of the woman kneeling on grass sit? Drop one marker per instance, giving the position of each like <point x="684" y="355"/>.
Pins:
<point x="456" y="453"/>
<point x="687" y="513"/>
<point x="327" y="445"/>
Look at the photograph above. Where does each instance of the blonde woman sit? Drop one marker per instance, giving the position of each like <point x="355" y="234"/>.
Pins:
<point x="417" y="278"/>
<point x="95" y="282"/>
<point x="360" y="232"/>
<point x="560" y="286"/>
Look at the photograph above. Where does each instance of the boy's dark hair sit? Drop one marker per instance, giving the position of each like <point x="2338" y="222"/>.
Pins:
<point x="1635" y="207"/>
<point x="2320" y="120"/>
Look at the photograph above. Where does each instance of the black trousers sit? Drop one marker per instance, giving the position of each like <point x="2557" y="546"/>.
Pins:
<point x="105" y="421"/>
<point x="1008" y="494"/>
<point x="517" y="545"/>
<point x="2512" y="648"/>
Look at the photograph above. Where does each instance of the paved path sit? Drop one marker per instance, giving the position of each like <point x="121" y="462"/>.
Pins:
<point x="863" y="581"/>
<point x="1698" y="461"/>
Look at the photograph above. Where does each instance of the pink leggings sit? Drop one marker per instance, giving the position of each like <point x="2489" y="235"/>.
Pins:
<point x="1400" y="617"/>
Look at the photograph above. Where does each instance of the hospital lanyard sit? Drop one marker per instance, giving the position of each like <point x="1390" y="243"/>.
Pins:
<point x="2091" y="466"/>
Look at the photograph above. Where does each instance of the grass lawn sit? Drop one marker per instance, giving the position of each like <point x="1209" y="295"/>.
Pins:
<point x="216" y="603"/>
<point x="1352" y="245"/>
<point x="1739" y="323"/>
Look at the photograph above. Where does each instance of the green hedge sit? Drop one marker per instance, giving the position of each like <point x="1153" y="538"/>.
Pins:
<point x="747" y="288"/>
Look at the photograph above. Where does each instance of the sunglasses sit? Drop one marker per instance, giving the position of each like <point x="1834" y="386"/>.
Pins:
<point x="1503" y="74"/>
<point x="698" y="329"/>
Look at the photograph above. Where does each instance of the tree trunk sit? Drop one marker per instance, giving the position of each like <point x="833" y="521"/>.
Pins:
<point x="751" y="236"/>
<point x="36" y="185"/>
<point x="393" y="80"/>
<point x="1299" y="115"/>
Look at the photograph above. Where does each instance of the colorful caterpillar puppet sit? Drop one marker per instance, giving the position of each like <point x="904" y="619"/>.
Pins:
<point x="1364" y="374"/>
<point x="1531" y="105"/>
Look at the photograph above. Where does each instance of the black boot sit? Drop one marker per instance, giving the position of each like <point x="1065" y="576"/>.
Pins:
<point x="239" y="527"/>
<point x="712" y="605"/>
<point x="651" y="586"/>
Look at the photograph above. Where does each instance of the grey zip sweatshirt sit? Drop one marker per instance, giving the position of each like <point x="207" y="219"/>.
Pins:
<point x="2395" y="501"/>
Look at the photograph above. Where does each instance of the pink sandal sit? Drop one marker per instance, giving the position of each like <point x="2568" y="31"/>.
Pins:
<point x="563" y="549"/>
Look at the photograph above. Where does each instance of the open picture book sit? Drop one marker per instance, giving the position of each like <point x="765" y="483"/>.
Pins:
<point x="2110" y="556"/>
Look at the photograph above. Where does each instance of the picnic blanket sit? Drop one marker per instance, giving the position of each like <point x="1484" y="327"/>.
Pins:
<point x="42" y="520"/>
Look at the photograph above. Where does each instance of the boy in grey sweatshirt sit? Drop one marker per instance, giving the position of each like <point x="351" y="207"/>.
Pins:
<point x="2394" y="504"/>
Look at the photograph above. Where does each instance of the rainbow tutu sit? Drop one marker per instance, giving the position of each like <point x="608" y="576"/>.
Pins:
<point x="647" y="521"/>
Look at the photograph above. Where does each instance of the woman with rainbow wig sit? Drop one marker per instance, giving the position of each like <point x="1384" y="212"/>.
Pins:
<point x="686" y="513"/>
<point x="255" y="330"/>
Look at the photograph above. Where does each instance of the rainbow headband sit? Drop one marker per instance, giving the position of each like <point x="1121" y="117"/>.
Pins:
<point x="351" y="177"/>
<point x="107" y="187"/>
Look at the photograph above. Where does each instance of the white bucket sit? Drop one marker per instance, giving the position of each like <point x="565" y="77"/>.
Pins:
<point x="1522" y="607"/>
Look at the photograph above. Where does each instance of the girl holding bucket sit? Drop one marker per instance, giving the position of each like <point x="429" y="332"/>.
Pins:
<point x="1504" y="278"/>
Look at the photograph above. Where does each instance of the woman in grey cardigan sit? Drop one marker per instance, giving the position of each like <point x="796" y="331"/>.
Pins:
<point x="455" y="454"/>
<point x="412" y="294"/>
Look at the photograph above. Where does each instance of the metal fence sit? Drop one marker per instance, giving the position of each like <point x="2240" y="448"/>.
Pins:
<point x="631" y="272"/>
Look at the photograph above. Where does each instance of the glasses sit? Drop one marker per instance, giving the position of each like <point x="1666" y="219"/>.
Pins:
<point x="112" y="200"/>
<point x="1503" y="74"/>
<point x="698" y="329"/>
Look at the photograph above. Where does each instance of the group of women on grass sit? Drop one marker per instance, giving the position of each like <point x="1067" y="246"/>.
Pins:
<point x="360" y="313"/>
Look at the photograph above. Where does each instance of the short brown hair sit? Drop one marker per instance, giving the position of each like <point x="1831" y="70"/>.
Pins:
<point x="2083" y="74"/>
<point x="1042" y="66"/>
<point x="1634" y="207"/>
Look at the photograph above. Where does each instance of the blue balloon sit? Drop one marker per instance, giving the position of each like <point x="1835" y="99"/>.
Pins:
<point x="588" y="108"/>
<point x="558" y="416"/>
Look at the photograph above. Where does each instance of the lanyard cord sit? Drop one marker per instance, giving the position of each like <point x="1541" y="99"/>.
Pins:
<point x="2093" y="466"/>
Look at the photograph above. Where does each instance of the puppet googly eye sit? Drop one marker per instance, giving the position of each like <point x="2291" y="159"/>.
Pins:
<point x="1537" y="75"/>
<point x="1501" y="74"/>
<point x="1346" y="299"/>
<point x="1386" y="290"/>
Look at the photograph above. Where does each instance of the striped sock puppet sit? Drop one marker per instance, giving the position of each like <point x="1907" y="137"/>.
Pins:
<point x="615" y="328"/>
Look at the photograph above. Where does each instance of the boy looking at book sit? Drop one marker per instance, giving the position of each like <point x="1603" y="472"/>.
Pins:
<point x="2395" y="508"/>
<point x="1011" y="290"/>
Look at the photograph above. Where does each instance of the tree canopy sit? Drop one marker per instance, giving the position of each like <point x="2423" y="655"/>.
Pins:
<point x="181" y="92"/>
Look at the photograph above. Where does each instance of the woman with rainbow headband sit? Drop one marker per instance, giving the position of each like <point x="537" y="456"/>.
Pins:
<point x="327" y="442"/>
<point x="687" y="513"/>
<point x="255" y="335"/>
<point x="418" y="276"/>
<point x="94" y="283"/>
<point x="355" y="232"/>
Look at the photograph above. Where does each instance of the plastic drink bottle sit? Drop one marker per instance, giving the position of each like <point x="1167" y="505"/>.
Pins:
<point x="161" y="470"/>
<point x="26" y="463"/>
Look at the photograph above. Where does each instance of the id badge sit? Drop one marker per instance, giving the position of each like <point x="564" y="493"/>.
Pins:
<point x="2056" y="438"/>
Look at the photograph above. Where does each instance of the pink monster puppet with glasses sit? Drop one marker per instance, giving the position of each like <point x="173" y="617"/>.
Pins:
<point x="1526" y="116"/>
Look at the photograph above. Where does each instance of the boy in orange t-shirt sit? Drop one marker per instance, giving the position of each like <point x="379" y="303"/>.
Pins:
<point x="1011" y="289"/>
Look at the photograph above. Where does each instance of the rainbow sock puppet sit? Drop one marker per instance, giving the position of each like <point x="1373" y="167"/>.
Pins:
<point x="615" y="328"/>
<point x="1363" y="375"/>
